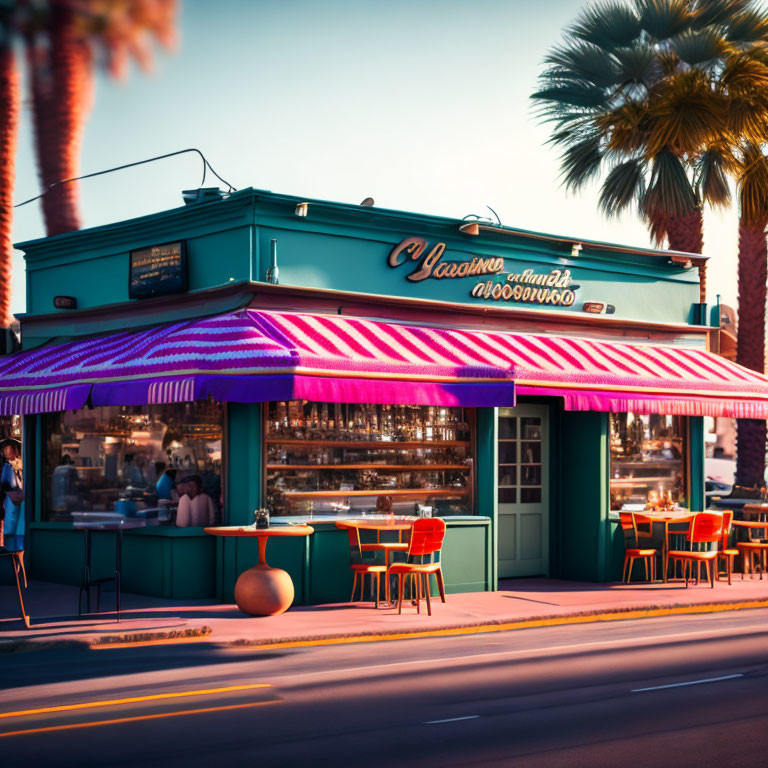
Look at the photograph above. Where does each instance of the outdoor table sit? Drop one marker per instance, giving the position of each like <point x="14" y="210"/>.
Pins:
<point x="665" y="517"/>
<point x="263" y="590"/>
<point x="755" y="511"/>
<point x="96" y="522"/>
<point x="391" y="523"/>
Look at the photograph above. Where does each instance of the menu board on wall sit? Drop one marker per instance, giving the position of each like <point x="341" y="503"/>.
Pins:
<point x="158" y="270"/>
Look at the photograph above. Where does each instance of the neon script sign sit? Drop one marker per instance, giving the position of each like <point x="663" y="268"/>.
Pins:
<point x="527" y="287"/>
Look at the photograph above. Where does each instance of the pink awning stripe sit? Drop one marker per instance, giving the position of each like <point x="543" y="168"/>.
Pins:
<point x="234" y="355"/>
<point x="255" y="355"/>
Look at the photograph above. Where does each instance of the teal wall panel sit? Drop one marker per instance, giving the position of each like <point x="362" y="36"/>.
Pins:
<point x="486" y="481"/>
<point x="173" y="563"/>
<point x="243" y="462"/>
<point x="697" y="471"/>
<point x="348" y="248"/>
<point x="584" y="529"/>
<point x="465" y="564"/>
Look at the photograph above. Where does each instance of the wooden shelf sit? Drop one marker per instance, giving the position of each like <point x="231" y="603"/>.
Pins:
<point x="379" y="445"/>
<point x="379" y="492"/>
<point x="383" y="467"/>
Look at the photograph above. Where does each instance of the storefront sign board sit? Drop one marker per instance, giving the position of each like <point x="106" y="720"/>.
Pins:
<point x="158" y="270"/>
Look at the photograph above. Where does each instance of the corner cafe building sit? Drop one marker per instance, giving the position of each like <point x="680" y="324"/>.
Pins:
<point x="330" y="360"/>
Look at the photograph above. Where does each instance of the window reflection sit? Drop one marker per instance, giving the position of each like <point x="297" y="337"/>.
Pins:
<point x="133" y="459"/>
<point x="647" y="460"/>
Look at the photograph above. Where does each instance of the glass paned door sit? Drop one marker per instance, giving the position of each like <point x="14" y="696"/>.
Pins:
<point x="523" y="483"/>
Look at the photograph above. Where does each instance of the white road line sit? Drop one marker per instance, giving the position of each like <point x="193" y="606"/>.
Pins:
<point x="451" y="719"/>
<point x="690" y="682"/>
<point x="619" y="641"/>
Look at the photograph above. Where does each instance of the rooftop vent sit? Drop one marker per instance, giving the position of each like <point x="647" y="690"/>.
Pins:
<point x="203" y="195"/>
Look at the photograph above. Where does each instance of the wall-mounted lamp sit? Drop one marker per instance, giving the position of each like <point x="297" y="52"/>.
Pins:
<point x="301" y="209"/>
<point x="470" y="228"/>
<point x="681" y="261"/>
<point x="576" y="249"/>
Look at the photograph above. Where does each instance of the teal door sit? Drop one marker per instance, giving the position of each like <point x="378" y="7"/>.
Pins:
<point x="523" y="490"/>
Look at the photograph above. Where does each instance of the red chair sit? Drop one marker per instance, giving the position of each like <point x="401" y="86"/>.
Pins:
<point x="629" y="522"/>
<point x="427" y="535"/>
<point x="724" y="552"/>
<point x="706" y="528"/>
<point x="358" y="566"/>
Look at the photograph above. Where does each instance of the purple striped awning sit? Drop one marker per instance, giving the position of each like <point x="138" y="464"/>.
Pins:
<point x="255" y="356"/>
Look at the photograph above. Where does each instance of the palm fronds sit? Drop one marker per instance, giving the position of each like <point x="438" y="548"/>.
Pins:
<point x="660" y="97"/>
<point x="608" y="25"/>
<point x="623" y="187"/>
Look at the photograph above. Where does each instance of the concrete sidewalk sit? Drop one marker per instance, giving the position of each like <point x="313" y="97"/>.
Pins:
<point x="518" y="604"/>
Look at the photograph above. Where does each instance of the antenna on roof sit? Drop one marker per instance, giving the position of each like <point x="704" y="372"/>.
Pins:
<point x="498" y="220"/>
<point x="368" y="202"/>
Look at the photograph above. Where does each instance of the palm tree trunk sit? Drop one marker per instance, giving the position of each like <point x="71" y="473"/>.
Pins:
<point x="686" y="233"/>
<point x="60" y="82"/>
<point x="9" y="125"/>
<point x="750" y="347"/>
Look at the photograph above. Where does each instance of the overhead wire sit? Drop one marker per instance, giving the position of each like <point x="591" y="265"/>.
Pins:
<point x="206" y="167"/>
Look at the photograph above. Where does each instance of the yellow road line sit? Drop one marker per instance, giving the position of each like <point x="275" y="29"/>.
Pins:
<point x="136" y="718"/>
<point x="101" y="646"/>
<point x="133" y="700"/>
<point x="645" y="613"/>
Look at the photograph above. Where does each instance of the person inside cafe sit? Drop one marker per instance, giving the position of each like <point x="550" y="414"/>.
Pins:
<point x="166" y="483"/>
<point x="132" y="473"/>
<point x="65" y="486"/>
<point x="196" y="508"/>
<point x="11" y="482"/>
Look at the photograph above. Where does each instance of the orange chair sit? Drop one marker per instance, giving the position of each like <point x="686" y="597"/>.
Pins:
<point x="706" y="528"/>
<point x="630" y="522"/>
<point x="427" y="535"/>
<point x="724" y="552"/>
<point x="358" y="566"/>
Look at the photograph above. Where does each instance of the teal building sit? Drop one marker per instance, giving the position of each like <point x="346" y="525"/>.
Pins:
<point x="604" y="408"/>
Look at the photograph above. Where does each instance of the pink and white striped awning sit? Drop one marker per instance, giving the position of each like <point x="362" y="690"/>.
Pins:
<point x="256" y="356"/>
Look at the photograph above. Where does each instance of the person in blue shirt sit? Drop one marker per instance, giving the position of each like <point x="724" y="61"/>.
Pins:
<point x="11" y="481"/>
<point x="166" y="485"/>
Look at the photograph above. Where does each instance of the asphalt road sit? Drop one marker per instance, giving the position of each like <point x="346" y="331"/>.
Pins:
<point x="676" y="691"/>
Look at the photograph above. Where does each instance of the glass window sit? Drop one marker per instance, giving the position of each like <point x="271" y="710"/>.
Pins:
<point x="132" y="459"/>
<point x="520" y="461"/>
<point x="647" y="460"/>
<point x="337" y="458"/>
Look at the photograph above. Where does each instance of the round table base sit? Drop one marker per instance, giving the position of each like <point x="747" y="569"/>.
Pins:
<point x="264" y="591"/>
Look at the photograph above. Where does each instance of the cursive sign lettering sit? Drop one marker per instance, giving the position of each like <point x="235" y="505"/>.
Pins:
<point x="528" y="287"/>
<point x="429" y="263"/>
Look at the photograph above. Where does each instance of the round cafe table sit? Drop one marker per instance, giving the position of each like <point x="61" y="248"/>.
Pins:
<point x="263" y="590"/>
<point x="666" y="517"/>
<point x="383" y="524"/>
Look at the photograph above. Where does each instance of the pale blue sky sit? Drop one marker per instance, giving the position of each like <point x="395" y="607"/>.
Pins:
<point x="421" y="104"/>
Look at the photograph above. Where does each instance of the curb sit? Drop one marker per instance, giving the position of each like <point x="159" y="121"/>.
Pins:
<point x="132" y="640"/>
<point x="501" y="625"/>
<point x="205" y="633"/>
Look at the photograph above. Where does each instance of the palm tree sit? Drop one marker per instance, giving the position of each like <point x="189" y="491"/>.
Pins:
<point x="9" y="124"/>
<point x="751" y="172"/>
<point x="666" y="98"/>
<point x="643" y="92"/>
<point x="63" y="43"/>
